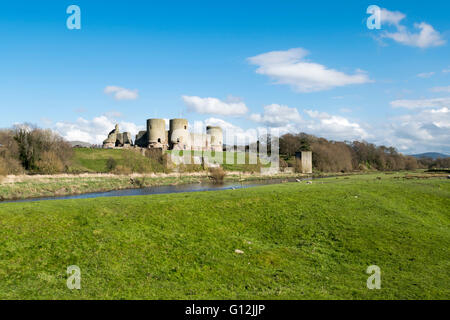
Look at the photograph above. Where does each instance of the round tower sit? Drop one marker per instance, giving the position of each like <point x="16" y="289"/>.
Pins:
<point x="216" y="137"/>
<point x="178" y="134"/>
<point x="156" y="133"/>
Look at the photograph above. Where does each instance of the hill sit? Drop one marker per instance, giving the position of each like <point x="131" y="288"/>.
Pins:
<point x="432" y="155"/>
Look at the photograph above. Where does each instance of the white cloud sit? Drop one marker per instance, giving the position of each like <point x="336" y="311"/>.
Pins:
<point x="446" y="70"/>
<point x="120" y="93"/>
<point x="427" y="130"/>
<point x="421" y="103"/>
<point x="426" y="36"/>
<point x="425" y="74"/>
<point x="289" y="67"/>
<point x="391" y="17"/>
<point x="276" y="115"/>
<point x="215" y="106"/>
<point x="93" y="131"/>
<point x="335" y="127"/>
<point x="441" y="89"/>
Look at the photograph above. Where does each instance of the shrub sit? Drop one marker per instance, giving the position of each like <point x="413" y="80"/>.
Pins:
<point x="49" y="163"/>
<point x="111" y="164"/>
<point x="139" y="182"/>
<point x="216" y="174"/>
<point x="283" y="163"/>
<point x="120" y="169"/>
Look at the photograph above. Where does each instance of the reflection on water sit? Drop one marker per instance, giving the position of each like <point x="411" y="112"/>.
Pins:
<point x="205" y="186"/>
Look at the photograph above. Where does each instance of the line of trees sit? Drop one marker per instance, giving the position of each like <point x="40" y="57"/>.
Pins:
<point x="29" y="149"/>
<point x="335" y="156"/>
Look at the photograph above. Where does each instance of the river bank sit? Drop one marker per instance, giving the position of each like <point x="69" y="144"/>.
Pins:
<point x="18" y="187"/>
<point x="36" y="186"/>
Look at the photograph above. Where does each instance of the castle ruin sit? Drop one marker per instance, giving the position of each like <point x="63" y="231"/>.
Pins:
<point x="177" y="137"/>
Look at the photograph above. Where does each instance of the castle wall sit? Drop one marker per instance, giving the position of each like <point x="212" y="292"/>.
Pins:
<point x="200" y="141"/>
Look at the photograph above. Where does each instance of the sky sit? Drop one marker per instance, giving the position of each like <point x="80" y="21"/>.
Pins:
<point x="296" y="66"/>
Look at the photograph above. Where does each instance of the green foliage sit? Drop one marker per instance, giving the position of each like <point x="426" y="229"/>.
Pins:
<point x="299" y="241"/>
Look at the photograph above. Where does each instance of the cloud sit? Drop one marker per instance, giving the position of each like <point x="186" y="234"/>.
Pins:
<point x="215" y="106"/>
<point x="113" y="114"/>
<point x="426" y="36"/>
<point x="441" y="89"/>
<point x="276" y="115"/>
<point x="427" y="130"/>
<point x="120" y="93"/>
<point x="425" y="74"/>
<point x="421" y="103"/>
<point x="289" y="67"/>
<point x="446" y="70"/>
<point x="335" y="127"/>
<point x="93" y="131"/>
<point x="391" y="17"/>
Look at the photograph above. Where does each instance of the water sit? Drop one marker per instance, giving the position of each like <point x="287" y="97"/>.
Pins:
<point x="163" y="190"/>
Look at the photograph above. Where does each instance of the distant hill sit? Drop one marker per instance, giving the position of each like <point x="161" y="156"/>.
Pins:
<point x="80" y="144"/>
<point x="432" y="155"/>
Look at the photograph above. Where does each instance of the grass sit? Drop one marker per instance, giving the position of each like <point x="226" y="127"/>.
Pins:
<point x="299" y="241"/>
<point x="96" y="161"/>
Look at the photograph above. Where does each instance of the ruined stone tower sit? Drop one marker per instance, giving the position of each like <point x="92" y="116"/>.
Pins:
<point x="216" y="137"/>
<point x="178" y="134"/>
<point x="156" y="133"/>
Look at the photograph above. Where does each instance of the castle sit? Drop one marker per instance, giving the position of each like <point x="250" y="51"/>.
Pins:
<point x="176" y="138"/>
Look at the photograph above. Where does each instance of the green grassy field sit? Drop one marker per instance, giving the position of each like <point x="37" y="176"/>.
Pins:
<point x="299" y="241"/>
<point x="95" y="161"/>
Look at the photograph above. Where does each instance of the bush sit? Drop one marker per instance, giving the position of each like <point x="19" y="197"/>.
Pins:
<point x="111" y="164"/>
<point x="216" y="174"/>
<point x="139" y="182"/>
<point x="49" y="163"/>
<point x="121" y="170"/>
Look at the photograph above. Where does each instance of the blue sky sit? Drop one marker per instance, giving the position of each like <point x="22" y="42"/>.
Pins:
<point x="293" y="65"/>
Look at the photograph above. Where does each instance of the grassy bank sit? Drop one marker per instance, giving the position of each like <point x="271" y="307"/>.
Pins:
<point x="61" y="185"/>
<point x="299" y="241"/>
